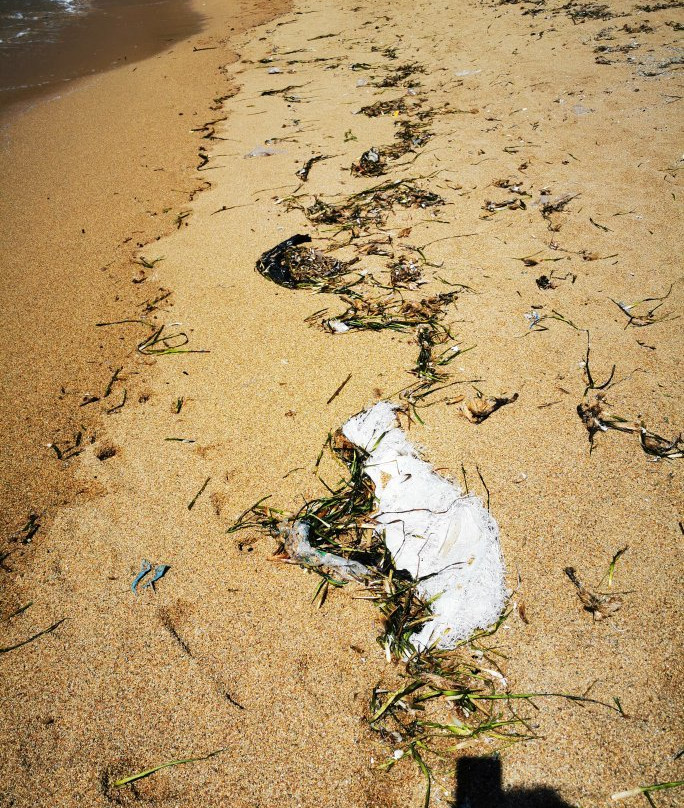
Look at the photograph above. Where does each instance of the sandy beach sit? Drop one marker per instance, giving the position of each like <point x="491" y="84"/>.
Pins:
<point x="544" y="140"/>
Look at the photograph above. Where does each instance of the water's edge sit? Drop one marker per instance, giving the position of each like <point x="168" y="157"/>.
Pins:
<point x="66" y="45"/>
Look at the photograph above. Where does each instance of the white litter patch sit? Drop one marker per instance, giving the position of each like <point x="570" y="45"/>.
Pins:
<point x="444" y="539"/>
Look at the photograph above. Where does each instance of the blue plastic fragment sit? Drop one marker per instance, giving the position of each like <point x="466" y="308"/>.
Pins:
<point x="144" y="569"/>
<point x="159" y="572"/>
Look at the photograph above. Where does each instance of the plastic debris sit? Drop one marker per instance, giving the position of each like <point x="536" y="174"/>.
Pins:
<point x="532" y="318"/>
<point x="291" y="265"/>
<point x="144" y="569"/>
<point x="160" y="571"/>
<point x="301" y="551"/>
<point x="261" y="151"/>
<point x="444" y="539"/>
<point x="370" y="164"/>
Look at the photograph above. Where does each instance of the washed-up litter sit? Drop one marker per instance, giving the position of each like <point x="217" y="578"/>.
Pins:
<point x="444" y="565"/>
<point x="370" y="164"/>
<point x="299" y="549"/>
<point x="291" y="265"/>
<point x="507" y="204"/>
<point x="160" y="571"/>
<point x="262" y="151"/>
<point x="444" y="539"/>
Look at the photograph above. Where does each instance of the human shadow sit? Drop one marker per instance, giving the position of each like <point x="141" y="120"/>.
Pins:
<point x="478" y="785"/>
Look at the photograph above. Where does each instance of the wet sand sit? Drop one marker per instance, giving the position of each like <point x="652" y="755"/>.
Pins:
<point x="112" y="33"/>
<point x="229" y="652"/>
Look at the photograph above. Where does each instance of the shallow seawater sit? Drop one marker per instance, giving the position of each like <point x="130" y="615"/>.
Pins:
<point x="29" y="21"/>
<point x="45" y="43"/>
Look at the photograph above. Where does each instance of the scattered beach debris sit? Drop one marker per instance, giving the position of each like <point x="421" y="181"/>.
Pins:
<point x="444" y="539"/>
<point x="262" y="151"/>
<point x="385" y="312"/>
<point x="160" y="571"/>
<point x="658" y="446"/>
<point x="145" y="567"/>
<point x="293" y="266"/>
<point x="27" y="531"/>
<point x="405" y="273"/>
<point x="545" y="283"/>
<point x="396" y="107"/>
<point x="608" y="577"/>
<point x="368" y="209"/>
<point x="394" y="502"/>
<point x="478" y="408"/>
<point x="599" y="604"/>
<point x="164" y="344"/>
<point x="370" y="164"/>
<point x="300" y="550"/>
<point x="338" y="390"/>
<point x="549" y="206"/>
<point x="399" y="75"/>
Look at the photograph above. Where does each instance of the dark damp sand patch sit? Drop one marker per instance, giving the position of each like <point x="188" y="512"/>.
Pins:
<point x="110" y="34"/>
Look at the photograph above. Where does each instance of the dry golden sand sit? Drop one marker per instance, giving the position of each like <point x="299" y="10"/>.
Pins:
<point x="127" y="682"/>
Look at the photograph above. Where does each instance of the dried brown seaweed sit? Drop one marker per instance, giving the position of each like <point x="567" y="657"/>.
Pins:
<point x="398" y="106"/>
<point x="600" y="605"/>
<point x="478" y="408"/>
<point x="405" y="273"/>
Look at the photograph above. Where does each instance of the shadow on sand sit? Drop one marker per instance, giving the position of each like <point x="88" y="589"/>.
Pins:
<point x="478" y="785"/>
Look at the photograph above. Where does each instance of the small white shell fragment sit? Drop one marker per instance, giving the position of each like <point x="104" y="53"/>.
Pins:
<point x="338" y="326"/>
<point x="444" y="539"/>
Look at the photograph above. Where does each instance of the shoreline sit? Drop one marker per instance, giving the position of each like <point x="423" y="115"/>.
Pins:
<point x="97" y="183"/>
<point x="110" y="34"/>
<point x="541" y="226"/>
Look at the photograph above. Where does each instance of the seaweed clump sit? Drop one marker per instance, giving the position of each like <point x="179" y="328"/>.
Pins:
<point x="294" y="266"/>
<point x="370" y="164"/>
